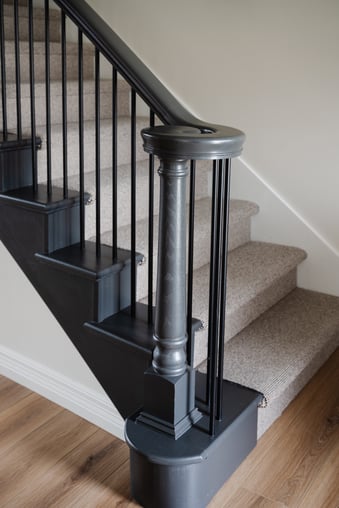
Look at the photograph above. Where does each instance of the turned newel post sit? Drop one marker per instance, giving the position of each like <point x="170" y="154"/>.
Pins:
<point x="169" y="388"/>
<point x="169" y="356"/>
<point x="169" y="383"/>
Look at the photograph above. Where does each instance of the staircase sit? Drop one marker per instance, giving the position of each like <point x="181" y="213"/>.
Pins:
<point x="99" y="279"/>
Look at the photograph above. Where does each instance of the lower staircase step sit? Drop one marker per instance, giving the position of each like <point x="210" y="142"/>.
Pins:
<point x="279" y="352"/>
<point x="240" y="215"/>
<point x="259" y="275"/>
<point x="124" y="195"/>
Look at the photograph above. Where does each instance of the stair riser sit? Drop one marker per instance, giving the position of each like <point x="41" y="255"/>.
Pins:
<point x="247" y="313"/>
<point x="55" y="62"/>
<point x="56" y="107"/>
<point x="39" y="26"/>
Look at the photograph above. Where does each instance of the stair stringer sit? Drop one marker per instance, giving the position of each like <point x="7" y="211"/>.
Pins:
<point x="31" y="231"/>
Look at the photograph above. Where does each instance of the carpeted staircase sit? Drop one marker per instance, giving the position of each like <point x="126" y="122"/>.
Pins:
<point x="277" y="335"/>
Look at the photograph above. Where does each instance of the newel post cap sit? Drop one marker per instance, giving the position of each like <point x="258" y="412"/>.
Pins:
<point x="189" y="142"/>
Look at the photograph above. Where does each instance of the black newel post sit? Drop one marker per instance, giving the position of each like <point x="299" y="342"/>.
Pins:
<point x="169" y="383"/>
<point x="175" y="463"/>
<point x="169" y="387"/>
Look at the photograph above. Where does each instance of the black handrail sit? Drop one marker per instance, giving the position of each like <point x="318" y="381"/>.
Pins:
<point x="165" y="106"/>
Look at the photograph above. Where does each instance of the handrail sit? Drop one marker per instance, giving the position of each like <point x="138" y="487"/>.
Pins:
<point x="169" y="110"/>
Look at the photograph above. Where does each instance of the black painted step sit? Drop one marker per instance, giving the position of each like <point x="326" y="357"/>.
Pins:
<point x="187" y="472"/>
<point x="16" y="161"/>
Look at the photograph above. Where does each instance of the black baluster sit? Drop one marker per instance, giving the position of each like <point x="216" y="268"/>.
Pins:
<point x="97" y="152"/>
<point x="150" y="227"/>
<point x="81" y="140"/>
<point x="223" y="301"/>
<point x="190" y="345"/>
<point x="32" y="95"/>
<point x="133" y="201"/>
<point x="3" y="73"/>
<point x="215" y="285"/>
<point x="211" y="280"/>
<point x="115" y="163"/>
<point x="17" y="70"/>
<point x="64" y="105"/>
<point x="48" y="100"/>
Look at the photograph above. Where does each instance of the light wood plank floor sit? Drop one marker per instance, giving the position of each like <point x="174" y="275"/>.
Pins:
<point x="52" y="458"/>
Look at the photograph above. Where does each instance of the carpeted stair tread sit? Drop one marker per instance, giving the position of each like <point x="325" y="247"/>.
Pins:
<point x="72" y="101"/>
<point x="55" y="61"/>
<point x="124" y="202"/>
<point x="279" y="352"/>
<point x="241" y="209"/>
<point x="259" y="275"/>
<point x="202" y="237"/>
<point x="124" y="130"/>
<point x="282" y="341"/>
<point x="39" y="23"/>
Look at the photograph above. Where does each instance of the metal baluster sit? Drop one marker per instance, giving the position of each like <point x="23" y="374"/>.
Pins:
<point x="150" y="227"/>
<point x="32" y="95"/>
<point x="3" y="73"/>
<point x="190" y="345"/>
<point x="81" y="139"/>
<point x="215" y="293"/>
<point x="114" y="164"/>
<point x="211" y="281"/>
<point x="48" y="100"/>
<point x="226" y="200"/>
<point x="97" y="152"/>
<point x="133" y="201"/>
<point x="64" y="105"/>
<point x="17" y="70"/>
<point x="216" y="303"/>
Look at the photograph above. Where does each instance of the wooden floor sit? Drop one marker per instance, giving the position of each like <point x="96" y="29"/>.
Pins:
<point x="51" y="458"/>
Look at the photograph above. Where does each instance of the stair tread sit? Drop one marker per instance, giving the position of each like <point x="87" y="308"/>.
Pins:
<point x="239" y="209"/>
<point x="39" y="12"/>
<point x="251" y="269"/>
<point x="72" y="88"/>
<point x="124" y="130"/>
<point x="54" y="47"/>
<point x="89" y="126"/>
<point x="299" y="332"/>
<point x="124" y="187"/>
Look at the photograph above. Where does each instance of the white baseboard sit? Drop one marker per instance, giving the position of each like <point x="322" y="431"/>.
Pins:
<point x="94" y="407"/>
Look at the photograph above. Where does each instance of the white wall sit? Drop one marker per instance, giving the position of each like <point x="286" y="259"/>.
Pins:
<point x="271" y="69"/>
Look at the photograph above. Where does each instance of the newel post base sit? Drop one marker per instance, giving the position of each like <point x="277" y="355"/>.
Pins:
<point x="169" y="402"/>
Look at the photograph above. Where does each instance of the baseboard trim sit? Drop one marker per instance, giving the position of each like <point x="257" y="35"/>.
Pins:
<point x="93" y="406"/>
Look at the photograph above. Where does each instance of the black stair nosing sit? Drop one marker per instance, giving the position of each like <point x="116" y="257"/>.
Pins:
<point x="85" y="261"/>
<point x="132" y="329"/>
<point x="26" y="197"/>
<point x="12" y="142"/>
